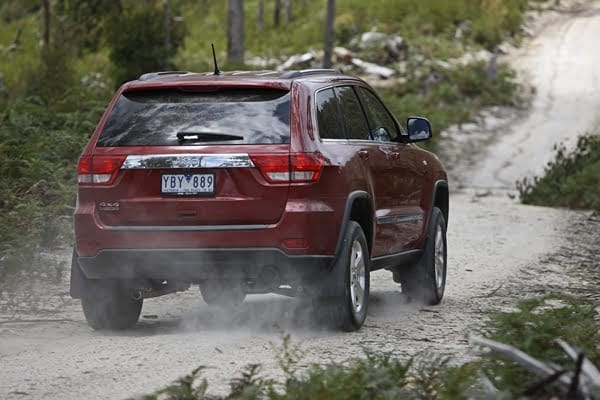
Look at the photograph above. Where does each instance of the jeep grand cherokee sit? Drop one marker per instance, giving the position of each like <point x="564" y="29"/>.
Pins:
<point x="299" y="183"/>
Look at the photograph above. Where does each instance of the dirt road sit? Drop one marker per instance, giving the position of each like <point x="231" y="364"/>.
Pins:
<point x="498" y="252"/>
<point x="561" y="64"/>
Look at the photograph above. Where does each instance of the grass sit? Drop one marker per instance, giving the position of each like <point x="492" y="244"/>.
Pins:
<point x="456" y="97"/>
<point x="570" y="180"/>
<point x="426" y="24"/>
<point x="532" y="328"/>
<point x="14" y="64"/>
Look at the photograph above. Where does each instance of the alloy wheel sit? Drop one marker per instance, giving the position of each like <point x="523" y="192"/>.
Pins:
<point x="357" y="277"/>
<point x="439" y="257"/>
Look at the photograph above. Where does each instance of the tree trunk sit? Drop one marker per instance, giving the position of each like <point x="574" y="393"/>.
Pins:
<point x="235" y="31"/>
<point x="46" y="34"/>
<point x="260" y="15"/>
<point x="288" y="11"/>
<point x="329" y="33"/>
<point x="277" y="13"/>
<point x="167" y="37"/>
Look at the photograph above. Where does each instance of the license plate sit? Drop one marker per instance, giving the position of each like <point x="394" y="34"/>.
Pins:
<point x="187" y="184"/>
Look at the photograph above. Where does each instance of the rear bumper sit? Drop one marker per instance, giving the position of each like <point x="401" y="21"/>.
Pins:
<point x="199" y="264"/>
<point x="316" y="222"/>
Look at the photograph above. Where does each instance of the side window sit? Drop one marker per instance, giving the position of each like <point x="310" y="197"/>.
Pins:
<point x="381" y="124"/>
<point x="328" y="116"/>
<point x="356" y="124"/>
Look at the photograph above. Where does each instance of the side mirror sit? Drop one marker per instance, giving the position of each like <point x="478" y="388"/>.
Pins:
<point x="419" y="129"/>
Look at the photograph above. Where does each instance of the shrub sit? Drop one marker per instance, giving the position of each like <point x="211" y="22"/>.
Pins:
<point x="40" y="142"/>
<point x="376" y="376"/>
<point x="136" y="42"/>
<point x="570" y="179"/>
<point x="11" y="10"/>
<point x="82" y="21"/>
<point x="455" y="96"/>
<point x="533" y="329"/>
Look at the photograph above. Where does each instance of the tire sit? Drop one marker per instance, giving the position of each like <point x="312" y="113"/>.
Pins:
<point x="425" y="282"/>
<point x="222" y="293"/>
<point x="344" y="301"/>
<point x="108" y="306"/>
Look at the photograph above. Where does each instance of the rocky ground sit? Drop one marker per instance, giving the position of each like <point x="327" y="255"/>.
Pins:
<point x="500" y="251"/>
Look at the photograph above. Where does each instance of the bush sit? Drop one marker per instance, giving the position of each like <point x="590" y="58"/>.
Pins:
<point x="454" y="97"/>
<point x="492" y="20"/>
<point x="11" y="10"/>
<point x="51" y="77"/>
<point x="533" y="329"/>
<point x="136" y="42"/>
<point x="82" y="22"/>
<point x="377" y="376"/>
<point x="40" y="143"/>
<point x="570" y="180"/>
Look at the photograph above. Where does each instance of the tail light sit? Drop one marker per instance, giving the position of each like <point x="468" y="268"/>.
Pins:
<point x="100" y="170"/>
<point x="289" y="168"/>
<point x="305" y="167"/>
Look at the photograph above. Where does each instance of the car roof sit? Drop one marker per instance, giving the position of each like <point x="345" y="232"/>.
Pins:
<point x="265" y="78"/>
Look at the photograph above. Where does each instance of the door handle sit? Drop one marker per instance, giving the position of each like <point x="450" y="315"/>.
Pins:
<point x="364" y="154"/>
<point x="395" y="156"/>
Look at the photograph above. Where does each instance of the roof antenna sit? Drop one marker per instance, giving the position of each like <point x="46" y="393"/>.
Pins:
<point x="217" y="71"/>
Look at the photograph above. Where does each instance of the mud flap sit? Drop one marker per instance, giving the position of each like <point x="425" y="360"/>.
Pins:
<point x="78" y="280"/>
<point x="329" y="284"/>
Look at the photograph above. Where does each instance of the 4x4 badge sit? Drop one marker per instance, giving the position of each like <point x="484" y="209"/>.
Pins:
<point x="108" y="206"/>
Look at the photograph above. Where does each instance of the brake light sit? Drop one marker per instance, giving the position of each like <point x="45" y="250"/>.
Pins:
<point x="306" y="167"/>
<point x="289" y="168"/>
<point x="100" y="170"/>
<point x="274" y="167"/>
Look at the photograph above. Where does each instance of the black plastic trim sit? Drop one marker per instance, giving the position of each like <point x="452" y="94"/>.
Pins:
<point x="396" y="260"/>
<point x="198" y="264"/>
<point x="436" y="186"/>
<point x="357" y="194"/>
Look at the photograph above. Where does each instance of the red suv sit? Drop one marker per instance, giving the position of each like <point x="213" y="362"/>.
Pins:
<point x="298" y="183"/>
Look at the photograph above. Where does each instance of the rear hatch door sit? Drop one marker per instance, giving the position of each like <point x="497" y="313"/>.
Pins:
<point x="185" y="158"/>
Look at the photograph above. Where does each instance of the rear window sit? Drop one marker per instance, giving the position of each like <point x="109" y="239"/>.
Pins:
<point x="171" y="118"/>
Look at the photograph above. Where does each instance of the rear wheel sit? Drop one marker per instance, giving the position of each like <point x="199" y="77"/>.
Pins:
<point x="345" y="302"/>
<point x="224" y="293"/>
<point x="426" y="281"/>
<point x="108" y="305"/>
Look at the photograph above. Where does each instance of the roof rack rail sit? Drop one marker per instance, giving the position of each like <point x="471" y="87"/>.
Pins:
<point x="152" y="75"/>
<point x="307" y="72"/>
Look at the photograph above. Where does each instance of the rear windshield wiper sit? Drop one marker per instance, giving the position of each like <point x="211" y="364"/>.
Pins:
<point x="184" y="136"/>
